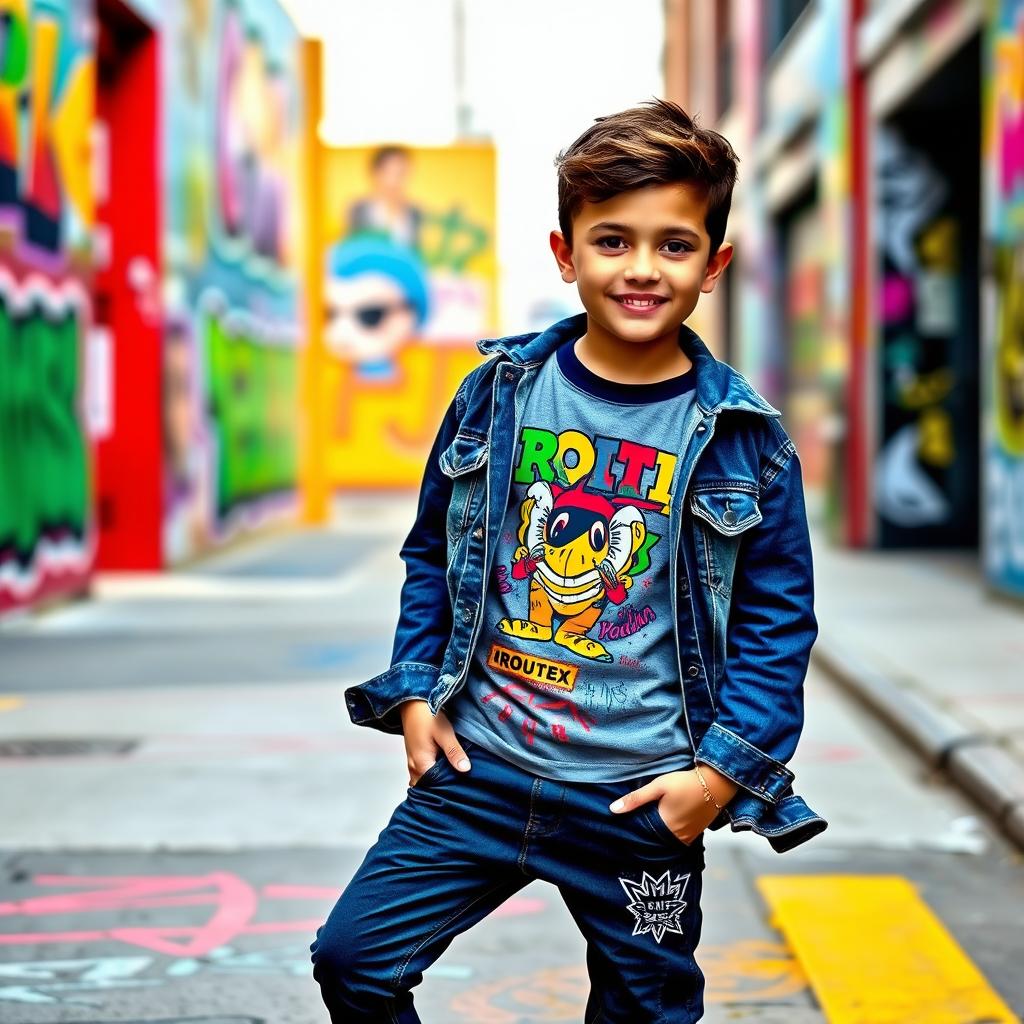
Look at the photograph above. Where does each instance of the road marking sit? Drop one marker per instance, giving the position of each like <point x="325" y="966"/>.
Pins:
<point x="8" y="703"/>
<point x="873" y="951"/>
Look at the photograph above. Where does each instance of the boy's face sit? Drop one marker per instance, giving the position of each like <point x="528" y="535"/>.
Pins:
<point x="640" y="261"/>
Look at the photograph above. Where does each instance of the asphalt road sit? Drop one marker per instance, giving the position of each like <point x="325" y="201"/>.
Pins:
<point x="182" y="798"/>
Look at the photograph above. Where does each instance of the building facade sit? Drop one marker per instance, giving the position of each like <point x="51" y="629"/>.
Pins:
<point x="872" y="294"/>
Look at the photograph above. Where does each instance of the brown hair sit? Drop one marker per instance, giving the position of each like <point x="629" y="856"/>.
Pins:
<point x="656" y="143"/>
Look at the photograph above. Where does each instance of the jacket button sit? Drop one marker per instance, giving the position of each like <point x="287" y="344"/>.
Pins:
<point x="728" y="517"/>
<point x="692" y="670"/>
<point x="467" y="613"/>
<point x="460" y="662"/>
<point x="701" y="428"/>
<point x="509" y="375"/>
<point x="478" y="533"/>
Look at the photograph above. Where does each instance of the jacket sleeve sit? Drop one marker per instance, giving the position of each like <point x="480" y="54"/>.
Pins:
<point x="425" y="619"/>
<point x="771" y="629"/>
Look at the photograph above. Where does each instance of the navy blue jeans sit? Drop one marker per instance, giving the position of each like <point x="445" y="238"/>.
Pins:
<point x="460" y="844"/>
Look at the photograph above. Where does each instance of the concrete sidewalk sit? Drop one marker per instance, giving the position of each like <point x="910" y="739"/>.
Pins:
<point x="918" y="638"/>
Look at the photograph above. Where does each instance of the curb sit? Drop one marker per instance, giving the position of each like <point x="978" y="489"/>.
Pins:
<point x="973" y="759"/>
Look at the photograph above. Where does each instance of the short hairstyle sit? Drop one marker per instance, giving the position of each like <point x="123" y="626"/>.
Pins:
<point x="656" y="143"/>
<point x="382" y="154"/>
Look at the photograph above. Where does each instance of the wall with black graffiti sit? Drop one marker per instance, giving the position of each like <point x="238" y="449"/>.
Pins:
<point x="46" y="219"/>
<point x="926" y="466"/>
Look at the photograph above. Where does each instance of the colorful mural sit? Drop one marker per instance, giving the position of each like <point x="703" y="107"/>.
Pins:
<point x="409" y="288"/>
<point x="233" y="240"/>
<point x="47" y="82"/>
<point x="925" y="466"/>
<point x="1003" y="308"/>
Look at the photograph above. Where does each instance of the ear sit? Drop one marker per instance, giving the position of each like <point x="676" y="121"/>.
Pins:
<point x="716" y="265"/>
<point x="563" y="256"/>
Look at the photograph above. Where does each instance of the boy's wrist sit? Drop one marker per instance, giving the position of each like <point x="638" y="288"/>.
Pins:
<point x="723" y="789"/>
<point x="406" y="705"/>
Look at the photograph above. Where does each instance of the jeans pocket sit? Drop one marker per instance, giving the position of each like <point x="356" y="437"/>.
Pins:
<point x="438" y="767"/>
<point x="432" y="772"/>
<point x="659" y="826"/>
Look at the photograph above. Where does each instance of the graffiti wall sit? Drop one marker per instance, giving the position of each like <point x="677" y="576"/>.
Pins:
<point x="409" y="288"/>
<point x="233" y="237"/>
<point x="47" y="86"/>
<point x="1003" y="309"/>
<point x="925" y="468"/>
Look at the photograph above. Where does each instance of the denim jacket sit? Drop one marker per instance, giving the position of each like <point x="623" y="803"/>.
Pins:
<point x="742" y="595"/>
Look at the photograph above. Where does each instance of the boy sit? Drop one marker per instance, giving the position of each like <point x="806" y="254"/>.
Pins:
<point x="609" y="591"/>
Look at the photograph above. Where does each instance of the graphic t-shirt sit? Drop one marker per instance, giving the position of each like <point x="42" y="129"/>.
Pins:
<point x="575" y="673"/>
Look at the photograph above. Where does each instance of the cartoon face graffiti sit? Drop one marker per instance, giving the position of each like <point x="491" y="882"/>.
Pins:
<point x="576" y="548"/>
<point x="376" y="298"/>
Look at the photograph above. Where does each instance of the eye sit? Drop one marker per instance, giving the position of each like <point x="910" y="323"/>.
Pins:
<point x="681" y="247"/>
<point x="556" y="525"/>
<point x="598" y="536"/>
<point x="610" y="238"/>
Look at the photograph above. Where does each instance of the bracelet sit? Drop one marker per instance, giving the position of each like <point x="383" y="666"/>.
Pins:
<point x="708" y="795"/>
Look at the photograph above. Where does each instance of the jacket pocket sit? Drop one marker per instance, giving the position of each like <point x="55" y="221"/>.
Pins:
<point x="729" y="509"/>
<point x="723" y="512"/>
<point x="467" y="452"/>
<point x="465" y="462"/>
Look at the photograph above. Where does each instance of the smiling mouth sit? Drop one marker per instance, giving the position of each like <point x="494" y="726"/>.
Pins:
<point x="639" y="303"/>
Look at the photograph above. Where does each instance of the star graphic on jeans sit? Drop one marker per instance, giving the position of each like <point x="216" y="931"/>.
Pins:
<point x="656" y="903"/>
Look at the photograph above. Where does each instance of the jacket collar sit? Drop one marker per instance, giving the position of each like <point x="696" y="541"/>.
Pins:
<point x="719" y="386"/>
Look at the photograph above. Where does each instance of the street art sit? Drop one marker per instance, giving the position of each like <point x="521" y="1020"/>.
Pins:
<point x="750" y="972"/>
<point x="252" y="388"/>
<point x="43" y="456"/>
<point x="46" y="215"/>
<point x="211" y="924"/>
<point x="409" y="269"/>
<point x="254" y="104"/>
<point x="80" y="981"/>
<point x="47" y="87"/>
<point x="1003" y="314"/>
<point x="915" y="486"/>
<point x="174" y="928"/>
<point x="232" y="316"/>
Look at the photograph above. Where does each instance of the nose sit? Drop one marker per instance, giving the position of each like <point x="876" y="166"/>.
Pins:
<point x="642" y="267"/>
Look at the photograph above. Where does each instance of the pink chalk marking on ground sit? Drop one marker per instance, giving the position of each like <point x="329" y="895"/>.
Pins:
<point x="234" y="900"/>
<point x="517" y="906"/>
<point x="126" y="935"/>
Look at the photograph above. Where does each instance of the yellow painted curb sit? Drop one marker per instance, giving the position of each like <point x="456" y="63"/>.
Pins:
<point x="875" y="953"/>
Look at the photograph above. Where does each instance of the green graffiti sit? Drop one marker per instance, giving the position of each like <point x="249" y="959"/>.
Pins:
<point x="13" y="49"/>
<point x="452" y="239"/>
<point x="43" y="461"/>
<point x="253" y="412"/>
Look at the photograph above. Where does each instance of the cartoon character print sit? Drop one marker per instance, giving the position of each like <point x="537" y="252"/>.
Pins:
<point x="576" y="548"/>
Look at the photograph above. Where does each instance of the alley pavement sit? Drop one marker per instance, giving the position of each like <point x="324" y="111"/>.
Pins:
<point x="182" y="799"/>
<point x="923" y="641"/>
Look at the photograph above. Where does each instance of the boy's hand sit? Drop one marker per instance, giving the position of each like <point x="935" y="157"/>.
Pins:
<point x="681" y="802"/>
<point x="425" y="736"/>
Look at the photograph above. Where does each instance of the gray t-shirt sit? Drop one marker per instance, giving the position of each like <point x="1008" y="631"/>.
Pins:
<point x="575" y="675"/>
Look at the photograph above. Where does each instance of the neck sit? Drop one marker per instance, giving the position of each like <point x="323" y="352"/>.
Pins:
<point x="631" y="362"/>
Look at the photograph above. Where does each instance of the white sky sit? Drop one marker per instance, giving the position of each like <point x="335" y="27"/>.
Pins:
<point x="537" y="73"/>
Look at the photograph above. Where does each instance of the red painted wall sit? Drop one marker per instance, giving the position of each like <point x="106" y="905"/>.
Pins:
<point x="129" y="493"/>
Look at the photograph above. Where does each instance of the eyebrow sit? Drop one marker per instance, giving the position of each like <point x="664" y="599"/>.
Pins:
<point x="677" y="229"/>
